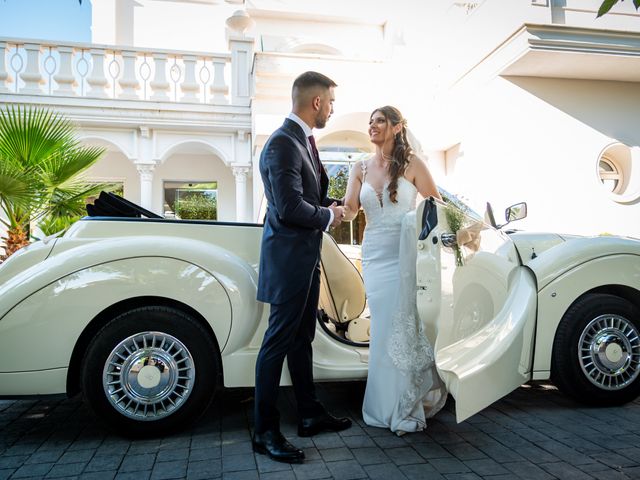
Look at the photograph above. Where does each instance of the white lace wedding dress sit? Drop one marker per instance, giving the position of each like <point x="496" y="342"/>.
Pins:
<point x="403" y="387"/>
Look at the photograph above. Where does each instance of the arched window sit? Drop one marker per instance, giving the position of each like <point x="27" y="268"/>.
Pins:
<point x="610" y="175"/>
<point x="619" y="172"/>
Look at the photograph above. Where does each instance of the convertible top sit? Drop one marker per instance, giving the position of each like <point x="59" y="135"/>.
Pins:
<point x="111" y="205"/>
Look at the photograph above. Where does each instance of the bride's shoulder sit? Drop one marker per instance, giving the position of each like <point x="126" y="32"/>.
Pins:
<point x="416" y="164"/>
<point x="359" y="168"/>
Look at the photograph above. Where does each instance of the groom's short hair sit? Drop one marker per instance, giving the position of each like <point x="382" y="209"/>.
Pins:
<point x="309" y="81"/>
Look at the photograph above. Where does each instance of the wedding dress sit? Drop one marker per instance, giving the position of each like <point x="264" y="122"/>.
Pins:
<point x="403" y="387"/>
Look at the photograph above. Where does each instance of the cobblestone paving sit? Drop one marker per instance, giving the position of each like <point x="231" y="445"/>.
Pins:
<point x="534" y="433"/>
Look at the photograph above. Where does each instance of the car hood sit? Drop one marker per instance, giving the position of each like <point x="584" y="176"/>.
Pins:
<point x="550" y="255"/>
<point x="531" y="245"/>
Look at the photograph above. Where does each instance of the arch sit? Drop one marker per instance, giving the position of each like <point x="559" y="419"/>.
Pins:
<point x="353" y="121"/>
<point x="108" y="141"/>
<point x="346" y="138"/>
<point x="315" y="49"/>
<point x="350" y="129"/>
<point x="208" y="147"/>
<point x="299" y="45"/>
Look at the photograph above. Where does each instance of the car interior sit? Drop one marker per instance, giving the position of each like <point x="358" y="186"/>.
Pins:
<point x="342" y="306"/>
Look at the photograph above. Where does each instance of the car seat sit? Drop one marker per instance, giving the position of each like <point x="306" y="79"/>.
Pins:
<point x="342" y="294"/>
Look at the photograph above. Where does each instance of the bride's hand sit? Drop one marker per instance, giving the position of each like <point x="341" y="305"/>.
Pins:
<point x="348" y="214"/>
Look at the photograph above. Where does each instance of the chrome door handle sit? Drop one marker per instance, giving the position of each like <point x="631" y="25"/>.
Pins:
<point x="449" y="239"/>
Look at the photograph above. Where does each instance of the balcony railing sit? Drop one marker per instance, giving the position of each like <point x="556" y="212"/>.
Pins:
<point x="122" y="73"/>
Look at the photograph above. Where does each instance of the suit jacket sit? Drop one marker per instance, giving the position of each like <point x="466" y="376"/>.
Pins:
<point x="295" y="219"/>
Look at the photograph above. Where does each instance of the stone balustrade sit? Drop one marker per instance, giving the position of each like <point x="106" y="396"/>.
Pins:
<point x="123" y="73"/>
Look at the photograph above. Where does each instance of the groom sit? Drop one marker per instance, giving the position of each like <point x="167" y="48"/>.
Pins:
<point x="298" y="211"/>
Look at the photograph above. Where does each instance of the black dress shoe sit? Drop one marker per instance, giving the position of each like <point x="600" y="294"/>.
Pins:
<point x="273" y="444"/>
<point x="322" y="423"/>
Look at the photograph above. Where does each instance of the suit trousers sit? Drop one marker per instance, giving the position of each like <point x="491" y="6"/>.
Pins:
<point x="290" y="332"/>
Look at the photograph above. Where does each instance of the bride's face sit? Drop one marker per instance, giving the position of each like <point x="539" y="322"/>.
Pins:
<point x="379" y="129"/>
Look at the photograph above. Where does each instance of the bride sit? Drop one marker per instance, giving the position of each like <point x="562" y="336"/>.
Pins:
<point x="403" y="387"/>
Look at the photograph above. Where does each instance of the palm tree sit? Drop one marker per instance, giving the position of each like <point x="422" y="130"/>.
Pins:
<point x="40" y="163"/>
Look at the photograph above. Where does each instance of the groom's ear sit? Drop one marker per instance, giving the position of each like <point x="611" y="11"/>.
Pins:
<point x="316" y="102"/>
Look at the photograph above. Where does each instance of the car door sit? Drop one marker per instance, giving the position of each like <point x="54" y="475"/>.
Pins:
<point x="477" y="303"/>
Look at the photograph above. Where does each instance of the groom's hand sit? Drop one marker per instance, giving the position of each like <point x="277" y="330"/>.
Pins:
<point x="338" y="214"/>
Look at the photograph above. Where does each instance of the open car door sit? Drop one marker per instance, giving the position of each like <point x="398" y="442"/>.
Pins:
<point x="478" y="305"/>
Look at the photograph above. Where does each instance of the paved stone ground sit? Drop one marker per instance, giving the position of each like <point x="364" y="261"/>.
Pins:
<point x="534" y="433"/>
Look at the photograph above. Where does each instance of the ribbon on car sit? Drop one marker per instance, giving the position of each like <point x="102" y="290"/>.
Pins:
<point x="469" y="237"/>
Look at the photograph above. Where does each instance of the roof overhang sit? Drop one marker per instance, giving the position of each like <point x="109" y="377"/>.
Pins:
<point x="558" y="51"/>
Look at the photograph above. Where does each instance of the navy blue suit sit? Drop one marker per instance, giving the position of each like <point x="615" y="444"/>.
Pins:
<point x="289" y="276"/>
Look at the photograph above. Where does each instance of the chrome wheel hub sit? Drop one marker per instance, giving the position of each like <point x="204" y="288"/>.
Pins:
<point x="609" y="352"/>
<point x="148" y="375"/>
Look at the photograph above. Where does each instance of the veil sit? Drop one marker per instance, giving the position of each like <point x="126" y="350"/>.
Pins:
<point x="408" y="346"/>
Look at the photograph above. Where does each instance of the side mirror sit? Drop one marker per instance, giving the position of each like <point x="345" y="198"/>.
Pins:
<point x="516" y="212"/>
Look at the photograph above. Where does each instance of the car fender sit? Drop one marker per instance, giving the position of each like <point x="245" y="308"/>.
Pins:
<point x="54" y="317"/>
<point x="557" y="295"/>
<point x="212" y="264"/>
<point x="565" y="256"/>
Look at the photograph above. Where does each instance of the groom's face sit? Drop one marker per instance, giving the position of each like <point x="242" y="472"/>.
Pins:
<point x="325" y="108"/>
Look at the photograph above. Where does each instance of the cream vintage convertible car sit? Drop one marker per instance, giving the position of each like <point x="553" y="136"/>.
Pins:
<point x="148" y="317"/>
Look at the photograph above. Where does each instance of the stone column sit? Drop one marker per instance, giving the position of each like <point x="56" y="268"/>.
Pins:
<point x="241" y="61"/>
<point x="145" y="170"/>
<point x="65" y="78"/>
<point x="160" y="85"/>
<point x="240" y="174"/>
<point x="219" y="88"/>
<point x="129" y="82"/>
<point x="97" y="80"/>
<point x="189" y="85"/>
<point x="31" y="75"/>
<point x="4" y="74"/>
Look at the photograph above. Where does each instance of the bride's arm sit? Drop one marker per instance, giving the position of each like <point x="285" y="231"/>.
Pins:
<point x="422" y="178"/>
<point x="351" y="201"/>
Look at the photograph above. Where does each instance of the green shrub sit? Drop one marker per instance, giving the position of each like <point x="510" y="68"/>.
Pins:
<point x="196" y="207"/>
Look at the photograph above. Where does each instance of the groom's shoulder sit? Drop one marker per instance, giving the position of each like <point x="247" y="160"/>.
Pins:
<point x="282" y="135"/>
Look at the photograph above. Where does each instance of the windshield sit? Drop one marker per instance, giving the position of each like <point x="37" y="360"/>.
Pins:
<point x="452" y="199"/>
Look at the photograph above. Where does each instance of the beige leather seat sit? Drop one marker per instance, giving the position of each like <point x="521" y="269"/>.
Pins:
<point x="342" y="295"/>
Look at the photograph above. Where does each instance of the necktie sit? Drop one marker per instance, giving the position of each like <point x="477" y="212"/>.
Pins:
<point x="316" y="155"/>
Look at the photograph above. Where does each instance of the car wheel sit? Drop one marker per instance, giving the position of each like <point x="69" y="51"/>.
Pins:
<point x="596" y="351"/>
<point x="150" y="371"/>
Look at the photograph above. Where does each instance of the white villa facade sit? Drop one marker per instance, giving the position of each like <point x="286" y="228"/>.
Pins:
<point x="533" y="100"/>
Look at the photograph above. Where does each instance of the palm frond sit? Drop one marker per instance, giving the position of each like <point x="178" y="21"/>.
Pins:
<point x="40" y="163"/>
<point x="605" y="7"/>
<point x="52" y="224"/>
<point x="30" y="134"/>
<point x="69" y="201"/>
<point x="65" y="164"/>
<point x="19" y="187"/>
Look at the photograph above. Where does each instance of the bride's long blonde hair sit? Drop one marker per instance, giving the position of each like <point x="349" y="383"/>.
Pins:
<point x="401" y="150"/>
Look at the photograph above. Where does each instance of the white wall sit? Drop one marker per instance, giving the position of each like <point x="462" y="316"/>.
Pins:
<point x="539" y="140"/>
<point x="116" y="167"/>
<point x="163" y="24"/>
